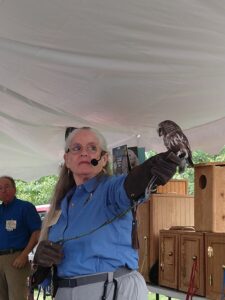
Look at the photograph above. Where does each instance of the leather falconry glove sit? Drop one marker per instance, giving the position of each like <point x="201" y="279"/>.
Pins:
<point x="162" y="166"/>
<point x="39" y="275"/>
<point x="48" y="254"/>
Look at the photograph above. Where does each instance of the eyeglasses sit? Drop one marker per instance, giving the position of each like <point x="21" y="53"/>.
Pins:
<point x="78" y="148"/>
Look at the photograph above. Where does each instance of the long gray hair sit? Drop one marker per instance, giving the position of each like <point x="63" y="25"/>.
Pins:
<point x="66" y="181"/>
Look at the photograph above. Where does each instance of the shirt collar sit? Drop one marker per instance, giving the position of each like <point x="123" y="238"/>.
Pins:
<point x="91" y="185"/>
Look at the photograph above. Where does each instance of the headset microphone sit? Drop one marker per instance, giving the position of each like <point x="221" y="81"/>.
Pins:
<point x="95" y="161"/>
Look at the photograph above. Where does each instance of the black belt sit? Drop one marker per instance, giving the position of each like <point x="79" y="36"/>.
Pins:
<point x="9" y="251"/>
<point x="83" y="280"/>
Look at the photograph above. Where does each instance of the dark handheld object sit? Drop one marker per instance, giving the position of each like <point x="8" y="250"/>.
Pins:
<point x="47" y="256"/>
<point x="39" y="275"/>
<point x="45" y="276"/>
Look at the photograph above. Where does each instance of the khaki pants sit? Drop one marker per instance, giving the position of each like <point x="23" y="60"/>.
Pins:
<point x="13" y="282"/>
<point x="130" y="287"/>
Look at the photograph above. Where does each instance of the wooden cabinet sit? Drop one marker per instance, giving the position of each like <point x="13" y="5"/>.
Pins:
<point x="215" y="261"/>
<point x="160" y="212"/>
<point x="191" y="254"/>
<point x="168" y="258"/>
<point x="210" y="197"/>
<point x="182" y="251"/>
<point x="143" y="237"/>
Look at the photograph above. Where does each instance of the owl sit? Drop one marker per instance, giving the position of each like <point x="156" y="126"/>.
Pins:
<point x="176" y="141"/>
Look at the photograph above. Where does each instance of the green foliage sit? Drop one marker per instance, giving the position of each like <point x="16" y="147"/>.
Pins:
<point x="149" y="154"/>
<point x="38" y="191"/>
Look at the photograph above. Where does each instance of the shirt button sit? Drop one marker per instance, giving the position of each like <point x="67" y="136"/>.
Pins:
<point x="72" y="204"/>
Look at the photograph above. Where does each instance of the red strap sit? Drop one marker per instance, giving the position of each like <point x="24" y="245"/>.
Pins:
<point x="191" y="289"/>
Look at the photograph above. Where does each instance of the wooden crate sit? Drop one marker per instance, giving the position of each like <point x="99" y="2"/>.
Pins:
<point x="215" y="261"/>
<point x="191" y="251"/>
<point x="174" y="186"/>
<point x="168" y="258"/>
<point x="160" y="212"/>
<point x="210" y="197"/>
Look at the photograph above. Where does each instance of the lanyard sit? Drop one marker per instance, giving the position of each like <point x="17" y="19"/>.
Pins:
<point x="107" y="222"/>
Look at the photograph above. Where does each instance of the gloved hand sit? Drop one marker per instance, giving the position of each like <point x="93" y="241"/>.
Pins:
<point x="48" y="254"/>
<point x="163" y="166"/>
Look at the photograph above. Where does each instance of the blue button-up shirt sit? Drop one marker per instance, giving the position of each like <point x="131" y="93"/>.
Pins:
<point x="93" y="203"/>
<point x="18" y="220"/>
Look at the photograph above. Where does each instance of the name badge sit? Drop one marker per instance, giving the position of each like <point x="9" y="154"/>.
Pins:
<point x="10" y="225"/>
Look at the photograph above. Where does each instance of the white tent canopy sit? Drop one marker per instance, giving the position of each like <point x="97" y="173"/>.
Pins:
<point x="120" y="66"/>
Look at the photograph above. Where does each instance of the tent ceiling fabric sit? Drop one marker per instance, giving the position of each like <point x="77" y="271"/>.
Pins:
<point x="121" y="66"/>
